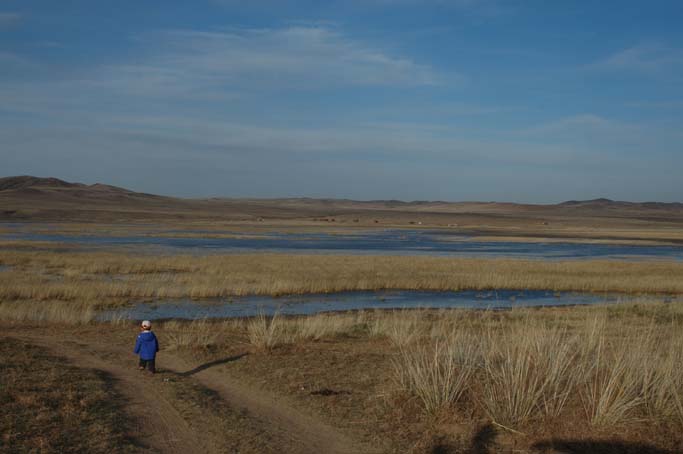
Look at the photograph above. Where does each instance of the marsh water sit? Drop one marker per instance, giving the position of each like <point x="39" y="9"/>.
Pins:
<point x="339" y="302"/>
<point x="384" y="242"/>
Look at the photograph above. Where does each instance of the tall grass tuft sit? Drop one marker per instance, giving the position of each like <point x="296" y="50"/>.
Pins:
<point x="438" y="374"/>
<point x="612" y="392"/>
<point x="513" y="384"/>
<point x="264" y="332"/>
<point x="528" y="371"/>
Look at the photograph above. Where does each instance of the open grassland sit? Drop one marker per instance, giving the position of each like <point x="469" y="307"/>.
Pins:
<point x="600" y="379"/>
<point x="51" y="285"/>
<point x="49" y="406"/>
<point x="422" y="378"/>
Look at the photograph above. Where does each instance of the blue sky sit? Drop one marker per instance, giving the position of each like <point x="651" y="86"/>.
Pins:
<point x="524" y="101"/>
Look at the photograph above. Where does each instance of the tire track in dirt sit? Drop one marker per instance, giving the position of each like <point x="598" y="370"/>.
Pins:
<point x="156" y="422"/>
<point x="162" y="427"/>
<point x="297" y="433"/>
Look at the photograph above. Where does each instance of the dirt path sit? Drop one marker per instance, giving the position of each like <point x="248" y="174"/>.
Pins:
<point x="162" y="427"/>
<point x="157" y="423"/>
<point x="298" y="432"/>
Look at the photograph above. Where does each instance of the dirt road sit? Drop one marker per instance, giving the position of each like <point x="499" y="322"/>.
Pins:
<point x="163" y="424"/>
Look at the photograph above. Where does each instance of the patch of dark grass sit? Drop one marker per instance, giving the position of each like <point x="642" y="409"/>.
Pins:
<point x="50" y="406"/>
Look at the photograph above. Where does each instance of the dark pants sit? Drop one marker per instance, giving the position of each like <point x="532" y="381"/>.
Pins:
<point x="147" y="364"/>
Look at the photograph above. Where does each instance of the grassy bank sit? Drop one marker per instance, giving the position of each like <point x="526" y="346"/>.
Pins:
<point x="89" y="279"/>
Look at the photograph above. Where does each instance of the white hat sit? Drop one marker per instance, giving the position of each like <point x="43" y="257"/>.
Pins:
<point x="146" y="324"/>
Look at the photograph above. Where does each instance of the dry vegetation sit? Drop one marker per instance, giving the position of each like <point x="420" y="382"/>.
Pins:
<point x="607" y="377"/>
<point x="49" y="406"/>
<point x="581" y="373"/>
<point x="411" y="381"/>
<point x="72" y="284"/>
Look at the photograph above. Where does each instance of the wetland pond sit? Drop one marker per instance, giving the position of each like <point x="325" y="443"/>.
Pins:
<point x="347" y="301"/>
<point x="384" y="242"/>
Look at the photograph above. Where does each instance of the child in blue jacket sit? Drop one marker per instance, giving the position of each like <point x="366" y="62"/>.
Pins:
<point x="147" y="347"/>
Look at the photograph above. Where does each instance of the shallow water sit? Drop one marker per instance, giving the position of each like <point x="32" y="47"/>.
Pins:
<point x="317" y="303"/>
<point x="386" y="242"/>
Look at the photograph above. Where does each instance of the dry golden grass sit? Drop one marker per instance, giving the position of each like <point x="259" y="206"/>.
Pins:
<point x="265" y="332"/>
<point x="99" y="279"/>
<point x="197" y="333"/>
<point x="602" y="372"/>
<point x="620" y="368"/>
<point x="439" y="374"/>
<point x="47" y="311"/>
<point x="615" y="365"/>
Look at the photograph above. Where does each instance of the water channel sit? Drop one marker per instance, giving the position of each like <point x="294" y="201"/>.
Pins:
<point x="339" y="302"/>
<point x="384" y="242"/>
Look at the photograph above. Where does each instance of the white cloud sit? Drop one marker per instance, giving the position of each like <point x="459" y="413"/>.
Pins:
<point x="572" y="124"/>
<point x="185" y="62"/>
<point x="14" y="65"/>
<point x="644" y="58"/>
<point x="8" y="19"/>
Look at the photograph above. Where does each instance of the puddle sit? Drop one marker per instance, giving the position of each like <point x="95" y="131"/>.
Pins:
<point x="5" y="268"/>
<point x="317" y="303"/>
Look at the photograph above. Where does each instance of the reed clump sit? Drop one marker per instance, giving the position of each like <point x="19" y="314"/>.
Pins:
<point x="265" y="332"/>
<point x="525" y="367"/>
<point x="526" y="371"/>
<point x="438" y="374"/>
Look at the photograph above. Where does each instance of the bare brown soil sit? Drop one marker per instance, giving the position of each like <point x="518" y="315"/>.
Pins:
<point x="257" y="422"/>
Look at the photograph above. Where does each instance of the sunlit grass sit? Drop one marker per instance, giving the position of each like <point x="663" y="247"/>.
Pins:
<point x="99" y="279"/>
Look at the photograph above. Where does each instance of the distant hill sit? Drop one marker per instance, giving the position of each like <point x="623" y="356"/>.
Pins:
<point x="26" y="181"/>
<point x="49" y="184"/>
<point x="30" y="198"/>
<point x="608" y="203"/>
<point x="31" y="183"/>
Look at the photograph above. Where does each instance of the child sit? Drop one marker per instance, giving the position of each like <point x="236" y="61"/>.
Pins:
<point x="147" y="347"/>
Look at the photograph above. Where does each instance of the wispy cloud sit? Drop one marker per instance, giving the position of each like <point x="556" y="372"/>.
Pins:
<point x="607" y="137"/>
<point x="8" y="19"/>
<point x="572" y="124"/>
<point x="191" y="62"/>
<point x="483" y="7"/>
<point x="668" y="104"/>
<point x="215" y="67"/>
<point x="651" y="58"/>
<point x="14" y="65"/>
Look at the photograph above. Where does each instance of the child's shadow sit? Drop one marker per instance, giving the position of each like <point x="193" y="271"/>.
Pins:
<point x="216" y="362"/>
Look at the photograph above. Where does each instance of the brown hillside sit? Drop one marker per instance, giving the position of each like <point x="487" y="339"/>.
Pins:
<point x="27" y="198"/>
